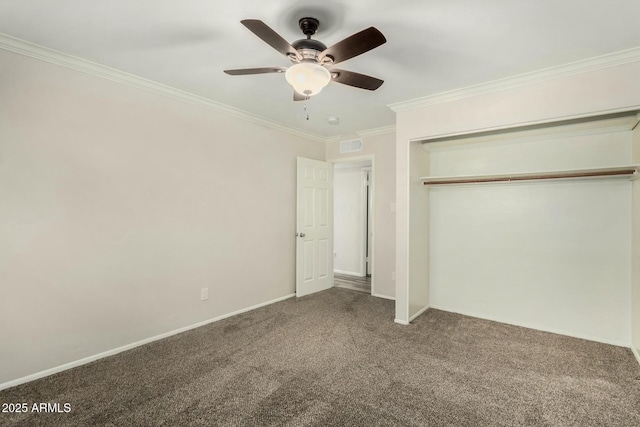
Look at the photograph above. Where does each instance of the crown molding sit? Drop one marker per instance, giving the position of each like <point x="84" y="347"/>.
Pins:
<point x="42" y="53"/>
<point x="384" y="130"/>
<point x="572" y="68"/>
<point x="333" y="139"/>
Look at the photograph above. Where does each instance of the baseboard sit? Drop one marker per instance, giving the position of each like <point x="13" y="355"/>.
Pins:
<point x="636" y="354"/>
<point x="551" y="330"/>
<point x="400" y="321"/>
<point x="114" y="351"/>
<point x="384" y="296"/>
<point x="349" y="273"/>
<point x="422" y="310"/>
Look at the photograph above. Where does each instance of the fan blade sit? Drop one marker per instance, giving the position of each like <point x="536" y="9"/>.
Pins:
<point x="298" y="97"/>
<point x="350" y="78"/>
<point x="264" y="70"/>
<point x="354" y="45"/>
<point x="270" y="37"/>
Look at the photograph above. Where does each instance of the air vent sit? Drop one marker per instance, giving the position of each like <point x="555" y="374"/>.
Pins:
<point x="351" y="145"/>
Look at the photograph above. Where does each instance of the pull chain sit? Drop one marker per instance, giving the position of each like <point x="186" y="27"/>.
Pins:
<point x="306" y="105"/>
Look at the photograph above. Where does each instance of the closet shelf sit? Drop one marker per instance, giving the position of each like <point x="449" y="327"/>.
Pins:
<point x="628" y="172"/>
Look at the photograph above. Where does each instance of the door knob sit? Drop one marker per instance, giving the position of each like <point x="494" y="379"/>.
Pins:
<point x="300" y="234"/>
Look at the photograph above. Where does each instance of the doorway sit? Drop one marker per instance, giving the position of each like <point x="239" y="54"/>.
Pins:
<point x="353" y="212"/>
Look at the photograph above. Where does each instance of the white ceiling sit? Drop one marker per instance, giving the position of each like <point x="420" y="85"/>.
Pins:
<point x="432" y="46"/>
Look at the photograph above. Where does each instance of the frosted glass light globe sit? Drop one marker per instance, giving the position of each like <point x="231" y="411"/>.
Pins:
<point x="307" y="78"/>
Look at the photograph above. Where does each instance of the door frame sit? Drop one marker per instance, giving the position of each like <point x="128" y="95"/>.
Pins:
<point x="367" y="188"/>
<point x="372" y="184"/>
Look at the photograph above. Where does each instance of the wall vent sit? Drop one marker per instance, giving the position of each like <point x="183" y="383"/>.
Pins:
<point x="351" y="145"/>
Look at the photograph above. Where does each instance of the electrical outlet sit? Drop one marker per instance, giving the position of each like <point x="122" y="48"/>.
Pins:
<point x="204" y="294"/>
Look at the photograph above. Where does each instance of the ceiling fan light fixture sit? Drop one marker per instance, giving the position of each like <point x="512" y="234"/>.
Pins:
<point x="308" y="78"/>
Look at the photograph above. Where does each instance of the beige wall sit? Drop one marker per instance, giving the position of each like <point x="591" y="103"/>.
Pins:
<point x="382" y="147"/>
<point x="119" y="205"/>
<point x="600" y="90"/>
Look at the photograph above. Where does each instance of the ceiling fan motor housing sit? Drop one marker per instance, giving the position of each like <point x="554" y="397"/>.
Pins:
<point x="309" y="49"/>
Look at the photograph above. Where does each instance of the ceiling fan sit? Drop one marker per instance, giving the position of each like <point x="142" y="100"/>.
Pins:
<point x="312" y="60"/>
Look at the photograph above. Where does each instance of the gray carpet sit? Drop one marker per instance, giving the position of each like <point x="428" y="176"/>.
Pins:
<point x="337" y="358"/>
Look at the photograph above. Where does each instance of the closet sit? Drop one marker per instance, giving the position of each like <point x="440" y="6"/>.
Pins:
<point x="530" y="226"/>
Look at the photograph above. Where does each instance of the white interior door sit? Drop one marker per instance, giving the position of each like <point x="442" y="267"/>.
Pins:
<point x="314" y="234"/>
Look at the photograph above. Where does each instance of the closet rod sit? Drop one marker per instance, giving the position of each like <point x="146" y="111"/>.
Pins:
<point x="561" y="175"/>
